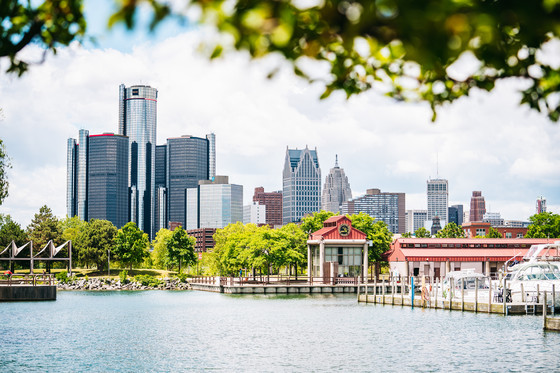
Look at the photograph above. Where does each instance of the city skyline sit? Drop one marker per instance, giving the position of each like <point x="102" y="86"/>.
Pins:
<point x="384" y="144"/>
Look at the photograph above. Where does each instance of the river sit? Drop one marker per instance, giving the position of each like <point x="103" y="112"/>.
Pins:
<point x="166" y="331"/>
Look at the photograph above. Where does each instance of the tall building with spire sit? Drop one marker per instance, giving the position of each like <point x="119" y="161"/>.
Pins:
<point x="478" y="207"/>
<point x="336" y="190"/>
<point x="541" y="205"/>
<point x="301" y="184"/>
<point x="138" y="121"/>
<point x="438" y="200"/>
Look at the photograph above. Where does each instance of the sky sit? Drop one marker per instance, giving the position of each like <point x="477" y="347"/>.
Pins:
<point x="483" y="142"/>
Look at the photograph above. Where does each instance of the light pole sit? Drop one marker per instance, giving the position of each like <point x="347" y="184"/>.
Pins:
<point x="108" y="262"/>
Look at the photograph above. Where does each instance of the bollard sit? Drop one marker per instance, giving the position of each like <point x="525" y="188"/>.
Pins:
<point x="412" y="291"/>
<point x="544" y="310"/>
<point x="489" y="294"/>
<point x="553" y="300"/>
<point x="375" y="290"/>
<point x="462" y="294"/>
<point x="504" y="296"/>
<point x="522" y="293"/>
<point x="476" y="295"/>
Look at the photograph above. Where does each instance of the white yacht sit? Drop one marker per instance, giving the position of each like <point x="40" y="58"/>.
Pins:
<point x="465" y="281"/>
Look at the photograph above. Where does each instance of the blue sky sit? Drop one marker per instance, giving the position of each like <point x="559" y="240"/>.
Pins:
<point x="483" y="142"/>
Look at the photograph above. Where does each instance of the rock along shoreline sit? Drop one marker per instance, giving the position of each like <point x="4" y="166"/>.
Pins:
<point x="108" y="285"/>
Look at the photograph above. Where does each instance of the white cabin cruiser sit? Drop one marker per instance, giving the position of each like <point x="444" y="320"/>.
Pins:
<point x="464" y="281"/>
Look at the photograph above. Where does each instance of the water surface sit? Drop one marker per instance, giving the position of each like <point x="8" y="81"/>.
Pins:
<point x="161" y="331"/>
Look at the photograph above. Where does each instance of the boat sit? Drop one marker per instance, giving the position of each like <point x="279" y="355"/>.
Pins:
<point x="464" y="281"/>
<point x="536" y="272"/>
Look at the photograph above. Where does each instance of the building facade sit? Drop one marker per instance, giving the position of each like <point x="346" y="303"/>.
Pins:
<point x="138" y="121"/>
<point x="214" y="204"/>
<point x="301" y="185"/>
<point x="161" y="188"/>
<point x="414" y="219"/>
<point x="336" y="190"/>
<point x="494" y="218"/>
<point x="187" y="164"/>
<point x="455" y="214"/>
<point x="478" y="207"/>
<point x="254" y="214"/>
<point x="204" y="239"/>
<point x="273" y="203"/>
<point x="438" y="200"/>
<point x="97" y="177"/>
<point x="541" y="205"/>
<point x="389" y="207"/>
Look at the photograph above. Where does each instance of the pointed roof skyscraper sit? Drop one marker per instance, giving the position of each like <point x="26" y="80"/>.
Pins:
<point x="336" y="190"/>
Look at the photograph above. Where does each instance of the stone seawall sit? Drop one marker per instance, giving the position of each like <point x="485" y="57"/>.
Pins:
<point x="108" y="285"/>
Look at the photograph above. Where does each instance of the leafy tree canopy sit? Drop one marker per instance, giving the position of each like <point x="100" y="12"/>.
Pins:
<point x="11" y="231"/>
<point x="180" y="248"/>
<point x="376" y="231"/>
<point x="48" y="24"/>
<point x="451" y="230"/>
<point x="43" y="228"/>
<point x="406" y="235"/>
<point x="422" y="233"/>
<point x="314" y="222"/>
<point x="493" y="233"/>
<point x="131" y="245"/>
<point x="544" y="225"/>
<point x="160" y="243"/>
<point x="93" y="242"/>
<point x="409" y="50"/>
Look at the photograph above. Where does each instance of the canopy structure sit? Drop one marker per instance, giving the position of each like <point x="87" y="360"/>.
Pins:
<point x="49" y="253"/>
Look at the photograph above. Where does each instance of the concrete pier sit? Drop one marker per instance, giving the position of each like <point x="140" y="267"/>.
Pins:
<point x="27" y="293"/>
<point x="276" y="289"/>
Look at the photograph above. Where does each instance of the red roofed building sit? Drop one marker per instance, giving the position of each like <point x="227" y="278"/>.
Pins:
<point x="437" y="256"/>
<point x="336" y="251"/>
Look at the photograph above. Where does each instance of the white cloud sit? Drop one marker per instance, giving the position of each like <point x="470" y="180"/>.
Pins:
<point x="483" y="142"/>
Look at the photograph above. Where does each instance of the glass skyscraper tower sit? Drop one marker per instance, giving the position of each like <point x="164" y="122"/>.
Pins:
<point x="438" y="200"/>
<point x="301" y="193"/>
<point x="138" y="121"/>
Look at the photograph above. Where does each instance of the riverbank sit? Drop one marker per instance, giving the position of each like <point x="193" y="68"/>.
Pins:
<point x="106" y="284"/>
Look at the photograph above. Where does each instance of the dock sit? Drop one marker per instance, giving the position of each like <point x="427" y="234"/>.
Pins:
<point x="27" y="287"/>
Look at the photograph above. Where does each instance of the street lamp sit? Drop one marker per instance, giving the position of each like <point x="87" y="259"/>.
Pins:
<point x="108" y="262"/>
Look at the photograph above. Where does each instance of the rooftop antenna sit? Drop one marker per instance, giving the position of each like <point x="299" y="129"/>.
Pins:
<point x="437" y="165"/>
<point x="336" y="161"/>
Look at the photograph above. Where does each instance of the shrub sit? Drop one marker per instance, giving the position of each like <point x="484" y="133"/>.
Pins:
<point x="62" y="277"/>
<point x="123" y="276"/>
<point x="182" y="277"/>
<point x="147" y="280"/>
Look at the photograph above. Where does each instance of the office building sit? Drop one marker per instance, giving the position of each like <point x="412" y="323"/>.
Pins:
<point x="97" y="180"/>
<point x="138" y="121"/>
<point x="336" y="190"/>
<point x="301" y="184"/>
<point x="187" y="164"/>
<point x="161" y="188"/>
<point x="414" y="220"/>
<point x="438" y="200"/>
<point x="389" y="207"/>
<point x="541" y="205"/>
<point x="254" y="214"/>
<point x="211" y="137"/>
<point x="478" y="207"/>
<point x="494" y="218"/>
<point x="455" y="214"/>
<point x="273" y="203"/>
<point x="214" y="204"/>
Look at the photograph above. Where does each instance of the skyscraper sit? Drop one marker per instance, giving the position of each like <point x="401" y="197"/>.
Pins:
<point x="97" y="179"/>
<point x="438" y="200"/>
<point x="337" y="189"/>
<point x="273" y="203"/>
<point x="415" y="219"/>
<point x="161" y="188"/>
<point x="478" y="207"/>
<point x="108" y="178"/>
<point x="301" y="184"/>
<point x="211" y="137"/>
<point x="388" y="207"/>
<point x="541" y="205"/>
<point x="214" y="204"/>
<point x="455" y="214"/>
<point x="138" y="121"/>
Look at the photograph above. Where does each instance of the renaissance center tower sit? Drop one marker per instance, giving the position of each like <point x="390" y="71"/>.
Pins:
<point x="138" y="121"/>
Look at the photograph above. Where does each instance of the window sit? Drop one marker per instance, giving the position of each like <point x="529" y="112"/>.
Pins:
<point x="519" y="235"/>
<point x="135" y="92"/>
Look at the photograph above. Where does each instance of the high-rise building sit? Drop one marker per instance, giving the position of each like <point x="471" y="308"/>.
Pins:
<point x="273" y="203"/>
<point x="494" y="218"/>
<point x="254" y="213"/>
<point x="161" y="188"/>
<point x="541" y="205"/>
<point x="438" y="200"/>
<point x="98" y="180"/>
<point x="138" y="121"/>
<point x="301" y="184"/>
<point x="214" y="204"/>
<point x="108" y="178"/>
<point x="436" y="225"/>
<point x="389" y="207"/>
<point x="478" y="207"/>
<point x="211" y="137"/>
<point x="187" y="164"/>
<point x="414" y="219"/>
<point x="455" y="214"/>
<point x="336" y="190"/>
